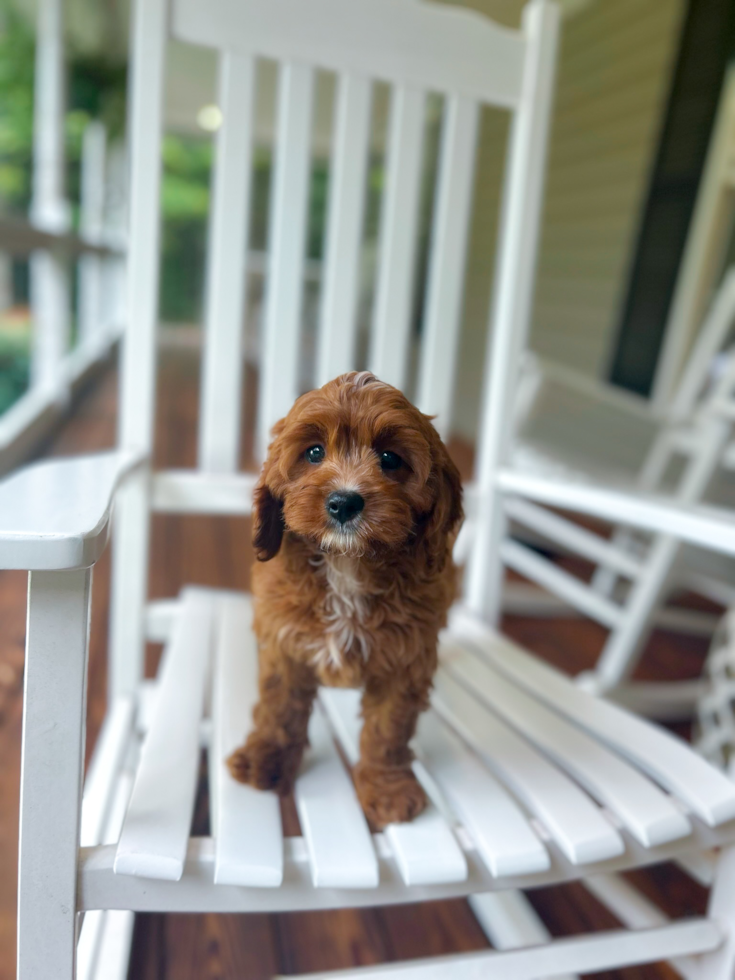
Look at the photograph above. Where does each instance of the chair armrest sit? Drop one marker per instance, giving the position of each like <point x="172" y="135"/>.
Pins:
<point x="707" y="527"/>
<point x="55" y="514"/>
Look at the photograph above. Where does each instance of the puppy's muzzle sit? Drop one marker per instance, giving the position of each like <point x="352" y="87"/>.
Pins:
<point x="342" y="505"/>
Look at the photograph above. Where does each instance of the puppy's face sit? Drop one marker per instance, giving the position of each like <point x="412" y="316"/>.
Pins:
<point x="354" y="468"/>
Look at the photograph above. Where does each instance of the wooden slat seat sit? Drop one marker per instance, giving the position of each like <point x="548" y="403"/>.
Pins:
<point x="529" y="777"/>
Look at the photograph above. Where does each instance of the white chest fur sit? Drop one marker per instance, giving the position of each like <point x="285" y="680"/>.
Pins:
<point x="345" y="611"/>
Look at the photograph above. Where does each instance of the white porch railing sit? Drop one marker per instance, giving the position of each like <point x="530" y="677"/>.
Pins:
<point x="55" y="253"/>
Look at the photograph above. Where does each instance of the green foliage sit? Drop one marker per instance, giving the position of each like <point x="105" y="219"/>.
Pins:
<point x="16" y="108"/>
<point x="187" y="163"/>
<point x="14" y="368"/>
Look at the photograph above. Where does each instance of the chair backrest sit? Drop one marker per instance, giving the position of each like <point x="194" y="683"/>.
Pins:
<point x="416" y="48"/>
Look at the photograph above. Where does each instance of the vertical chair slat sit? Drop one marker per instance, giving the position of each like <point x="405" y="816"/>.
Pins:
<point x="709" y="793"/>
<point x="650" y="815"/>
<point x="425" y="849"/>
<point x="575" y="822"/>
<point x="284" y="289"/>
<point x="219" y="420"/>
<point x="138" y="355"/>
<point x="338" y="327"/>
<point x="447" y="262"/>
<point x="338" y="840"/>
<point x="246" y="823"/>
<point x="498" y="826"/>
<point x="388" y="357"/>
<point x="155" y="833"/>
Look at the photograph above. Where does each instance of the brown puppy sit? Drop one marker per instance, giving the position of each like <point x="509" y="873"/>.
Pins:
<point x="354" y="516"/>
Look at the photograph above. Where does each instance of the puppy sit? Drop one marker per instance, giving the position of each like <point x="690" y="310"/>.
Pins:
<point x="354" y="516"/>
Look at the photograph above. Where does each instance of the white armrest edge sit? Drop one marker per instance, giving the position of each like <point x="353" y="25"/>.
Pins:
<point x="707" y="527"/>
<point x="55" y="514"/>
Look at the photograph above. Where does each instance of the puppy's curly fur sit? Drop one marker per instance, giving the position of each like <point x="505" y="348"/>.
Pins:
<point x="358" y="604"/>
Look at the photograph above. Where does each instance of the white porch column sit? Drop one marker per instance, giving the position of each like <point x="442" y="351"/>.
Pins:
<point x="50" y="294"/>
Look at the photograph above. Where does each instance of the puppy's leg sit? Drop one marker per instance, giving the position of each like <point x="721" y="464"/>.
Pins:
<point x="272" y="753"/>
<point x="386" y="785"/>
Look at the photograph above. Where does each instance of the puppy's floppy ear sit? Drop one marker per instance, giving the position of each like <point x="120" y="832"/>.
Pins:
<point x="268" y="522"/>
<point x="447" y="513"/>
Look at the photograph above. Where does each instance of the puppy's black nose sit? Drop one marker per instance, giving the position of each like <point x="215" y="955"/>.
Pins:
<point x="344" y="505"/>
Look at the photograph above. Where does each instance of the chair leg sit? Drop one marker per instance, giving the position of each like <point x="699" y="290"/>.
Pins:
<point x="720" y="964"/>
<point x="51" y="776"/>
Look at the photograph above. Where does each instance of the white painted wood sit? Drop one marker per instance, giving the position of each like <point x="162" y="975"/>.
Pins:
<point x="286" y="245"/>
<point x="573" y="820"/>
<point x="137" y="382"/>
<point x="620" y="653"/>
<point x="246" y="822"/>
<point x="339" y="845"/>
<point x="389" y="338"/>
<point x="708" y="527"/>
<point x="513" y="295"/>
<point x="719" y="964"/>
<point x="194" y="492"/>
<point x="129" y="588"/>
<point x="156" y="829"/>
<point x="159" y="617"/>
<point x="50" y="286"/>
<point x="446" y="273"/>
<point x="95" y="957"/>
<point x="642" y="808"/>
<point x="405" y="41"/>
<point x="705" y="250"/>
<point x="577" y="593"/>
<point x="425" y="849"/>
<point x="115" y="945"/>
<point x="55" y="513"/>
<point x="101" y="888"/>
<point x="706" y="791"/>
<point x="713" y="335"/>
<point x="572" y="537"/>
<point x="104" y="769"/>
<point x="91" y="226"/>
<point x="347" y="190"/>
<point x="585" y="954"/>
<point x="701" y="866"/>
<point x="499" y="828"/>
<point x="138" y="361"/>
<point x="51" y="303"/>
<point x="51" y="771"/>
<point x="221" y="409"/>
<point x="508" y="920"/>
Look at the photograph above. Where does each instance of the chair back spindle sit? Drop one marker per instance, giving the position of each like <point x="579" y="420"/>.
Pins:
<point x="287" y="236"/>
<point x="445" y="279"/>
<point x="338" y="325"/>
<point x="220" y="410"/>
<point x="388" y="357"/>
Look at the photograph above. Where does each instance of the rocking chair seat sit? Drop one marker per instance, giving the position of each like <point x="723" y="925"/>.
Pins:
<point x="532" y="781"/>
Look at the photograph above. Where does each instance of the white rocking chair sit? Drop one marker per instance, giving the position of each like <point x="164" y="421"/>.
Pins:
<point x="698" y="433"/>
<point x="533" y="780"/>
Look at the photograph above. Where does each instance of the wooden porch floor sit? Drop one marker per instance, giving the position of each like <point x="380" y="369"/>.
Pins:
<point x="216" y="551"/>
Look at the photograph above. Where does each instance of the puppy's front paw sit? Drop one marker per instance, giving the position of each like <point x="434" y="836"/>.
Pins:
<point x="388" y="795"/>
<point x="265" y="765"/>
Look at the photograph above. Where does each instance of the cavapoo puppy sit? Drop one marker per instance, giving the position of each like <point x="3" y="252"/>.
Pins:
<point x="354" y="516"/>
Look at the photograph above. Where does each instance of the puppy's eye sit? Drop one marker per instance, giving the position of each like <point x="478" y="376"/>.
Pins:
<point x="315" y="454"/>
<point x="390" y="461"/>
